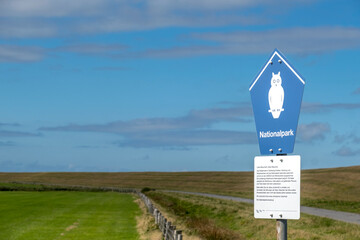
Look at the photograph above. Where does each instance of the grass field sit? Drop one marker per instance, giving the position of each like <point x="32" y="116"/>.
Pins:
<point x="333" y="188"/>
<point x="67" y="215"/>
<point x="227" y="220"/>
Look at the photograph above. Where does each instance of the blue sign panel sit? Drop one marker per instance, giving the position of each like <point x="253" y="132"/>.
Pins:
<point x="276" y="95"/>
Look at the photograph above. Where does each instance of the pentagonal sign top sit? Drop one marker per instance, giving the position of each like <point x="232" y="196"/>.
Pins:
<point x="276" y="95"/>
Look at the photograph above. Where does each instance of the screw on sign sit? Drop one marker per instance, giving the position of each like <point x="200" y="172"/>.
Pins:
<point x="276" y="95"/>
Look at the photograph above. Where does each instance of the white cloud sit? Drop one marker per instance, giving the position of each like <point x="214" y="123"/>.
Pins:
<point x="190" y="130"/>
<point x="12" y="53"/>
<point x="5" y="133"/>
<point x="189" y="5"/>
<point x="313" y="131"/>
<point x="346" y="152"/>
<point x="106" y="50"/>
<point x="20" y="28"/>
<point x="50" y="8"/>
<point x="36" y="166"/>
<point x="311" y="107"/>
<point x="347" y="138"/>
<point x="195" y="119"/>
<point x="187" y="138"/>
<point x="49" y="18"/>
<point x="12" y="134"/>
<point x="292" y="40"/>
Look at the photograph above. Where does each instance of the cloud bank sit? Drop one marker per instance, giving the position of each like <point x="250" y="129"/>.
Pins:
<point x="305" y="41"/>
<point x="311" y="107"/>
<point x="345" y="151"/>
<point x="313" y="131"/>
<point x="22" y="19"/>
<point x="194" y="129"/>
<point x="312" y="40"/>
<point x="43" y="18"/>
<point x="13" y="53"/>
<point x="11" y="133"/>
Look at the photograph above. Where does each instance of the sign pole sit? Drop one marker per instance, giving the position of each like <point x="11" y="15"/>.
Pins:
<point x="281" y="229"/>
<point x="281" y="224"/>
<point x="276" y="95"/>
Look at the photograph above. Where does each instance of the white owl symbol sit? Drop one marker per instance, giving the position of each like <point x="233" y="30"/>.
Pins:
<point x="276" y="96"/>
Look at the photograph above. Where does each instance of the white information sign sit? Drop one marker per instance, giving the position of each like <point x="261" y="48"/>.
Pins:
<point x="277" y="187"/>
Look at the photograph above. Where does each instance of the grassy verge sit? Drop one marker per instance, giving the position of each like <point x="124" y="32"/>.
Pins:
<point x="221" y="219"/>
<point x="338" y="205"/>
<point x="197" y="217"/>
<point x="67" y="215"/>
<point x="146" y="226"/>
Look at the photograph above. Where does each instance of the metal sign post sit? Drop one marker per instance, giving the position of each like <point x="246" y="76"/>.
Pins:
<point x="281" y="229"/>
<point x="276" y="95"/>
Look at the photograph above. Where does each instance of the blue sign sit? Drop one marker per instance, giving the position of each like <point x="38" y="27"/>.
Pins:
<point x="276" y="95"/>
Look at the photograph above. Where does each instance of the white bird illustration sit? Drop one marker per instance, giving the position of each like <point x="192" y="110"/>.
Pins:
<point x="276" y="96"/>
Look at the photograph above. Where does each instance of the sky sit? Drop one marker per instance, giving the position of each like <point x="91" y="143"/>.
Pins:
<point x="163" y="85"/>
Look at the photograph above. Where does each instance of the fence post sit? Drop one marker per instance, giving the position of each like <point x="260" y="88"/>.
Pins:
<point x="161" y="225"/>
<point x="158" y="218"/>
<point x="178" y="235"/>
<point x="155" y="215"/>
<point x="174" y="232"/>
<point x="164" y="226"/>
<point x="168" y="224"/>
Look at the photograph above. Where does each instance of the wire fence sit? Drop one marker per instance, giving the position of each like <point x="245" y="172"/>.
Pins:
<point x="168" y="230"/>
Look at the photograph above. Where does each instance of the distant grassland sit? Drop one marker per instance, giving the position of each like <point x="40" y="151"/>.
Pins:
<point x="333" y="188"/>
<point x="67" y="215"/>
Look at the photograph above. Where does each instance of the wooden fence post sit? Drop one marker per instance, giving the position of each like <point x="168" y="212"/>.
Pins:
<point x="155" y="215"/>
<point x="173" y="232"/>
<point x="168" y="228"/>
<point x="162" y="224"/>
<point x="178" y="235"/>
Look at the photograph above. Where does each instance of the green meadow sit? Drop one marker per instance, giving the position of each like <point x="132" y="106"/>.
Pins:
<point x="67" y="215"/>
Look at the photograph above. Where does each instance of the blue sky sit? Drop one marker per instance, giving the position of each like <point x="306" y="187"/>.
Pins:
<point x="102" y="85"/>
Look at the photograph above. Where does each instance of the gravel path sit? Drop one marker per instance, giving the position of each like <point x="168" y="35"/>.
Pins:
<point x="336" y="215"/>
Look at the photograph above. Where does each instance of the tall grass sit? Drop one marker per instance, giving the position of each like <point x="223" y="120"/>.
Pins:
<point x="223" y="219"/>
<point x="197" y="217"/>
